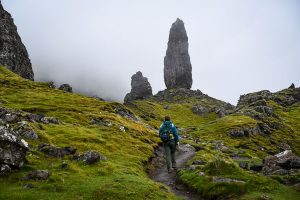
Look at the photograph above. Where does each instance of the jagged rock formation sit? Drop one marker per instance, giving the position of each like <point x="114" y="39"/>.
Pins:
<point x="13" y="53"/>
<point x="140" y="88"/>
<point x="178" y="68"/>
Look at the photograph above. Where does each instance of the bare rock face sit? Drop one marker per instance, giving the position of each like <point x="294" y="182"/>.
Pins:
<point x="140" y="88"/>
<point x="13" y="53"/>
<point x="178" y="68"/>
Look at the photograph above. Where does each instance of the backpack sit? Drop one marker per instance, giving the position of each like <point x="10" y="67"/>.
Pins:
<point x="165" y="133"/>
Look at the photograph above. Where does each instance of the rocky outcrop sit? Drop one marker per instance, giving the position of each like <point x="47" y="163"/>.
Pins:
<point x="283" y="163"/>
<point x="13" y="53"/>
<point x="244" y="131"/>
<point x="140" y="88"/>
<point x="177" y="64"/>
<point x="12" y="150"/>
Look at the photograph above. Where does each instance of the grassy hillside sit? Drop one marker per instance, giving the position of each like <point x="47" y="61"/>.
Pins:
<point x="220" y="154"/>
<point x="121" y="176"/>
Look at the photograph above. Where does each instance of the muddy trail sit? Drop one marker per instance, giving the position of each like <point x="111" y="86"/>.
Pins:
<point x="160" y="174"/>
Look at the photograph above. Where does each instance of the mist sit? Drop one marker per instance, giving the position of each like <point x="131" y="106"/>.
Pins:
<point x="236" y="47"/>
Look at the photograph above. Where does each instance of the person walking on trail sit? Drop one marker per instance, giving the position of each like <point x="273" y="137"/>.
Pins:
<point x="169" y="135"/>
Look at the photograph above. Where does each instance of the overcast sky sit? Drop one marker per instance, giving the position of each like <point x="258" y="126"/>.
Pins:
<point x="236" y="47"/>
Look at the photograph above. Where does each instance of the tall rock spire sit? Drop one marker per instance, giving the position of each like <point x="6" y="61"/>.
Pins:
<point x="177" y="64"/>
<point x="13" y="53"/>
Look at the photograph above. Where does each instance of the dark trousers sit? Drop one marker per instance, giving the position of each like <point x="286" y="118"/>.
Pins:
<point x="170" y="149"/>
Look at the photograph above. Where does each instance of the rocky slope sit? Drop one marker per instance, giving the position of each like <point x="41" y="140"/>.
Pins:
<point x="250" y="151"/>
<point x="78" y="147"/>
<point x="13" y="53"/>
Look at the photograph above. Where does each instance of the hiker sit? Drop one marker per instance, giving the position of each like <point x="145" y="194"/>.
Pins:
<point x="169" y="136"/>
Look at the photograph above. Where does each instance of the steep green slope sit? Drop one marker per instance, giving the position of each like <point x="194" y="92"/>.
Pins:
<point x="126" y="142"/>
<point x="259" y="126"/>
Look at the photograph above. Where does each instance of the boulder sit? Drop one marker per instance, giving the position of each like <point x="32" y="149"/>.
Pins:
<point x="13" y="53"/>
<point x="140" y="88"/>
<point x="12" y="149"/>
<point x="281" y="163"/>
<point x="37" y="175"/>
<point x="66" y="88"/>
<point x="177" y="65"/>
<point x="91" y="157"/>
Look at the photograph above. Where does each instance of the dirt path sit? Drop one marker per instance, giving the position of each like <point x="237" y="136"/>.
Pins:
<point x="160" y="173"/>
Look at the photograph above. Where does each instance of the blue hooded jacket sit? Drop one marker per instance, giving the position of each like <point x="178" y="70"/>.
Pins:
<point x="173" y="129"/>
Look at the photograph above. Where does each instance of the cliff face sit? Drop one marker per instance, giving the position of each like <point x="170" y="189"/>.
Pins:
<point x="13" y="53"/>
<point x="178" y="68"/>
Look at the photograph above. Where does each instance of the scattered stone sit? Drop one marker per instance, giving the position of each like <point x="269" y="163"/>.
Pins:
<point x="243" y="165"/>
<point x="64" y="165"/>
<point x="66" y="88"/>
<point x="256" y="168"/>
<point x="265" y="128"/>
<point x="198" y="162"/>
<point x="50" y="120"/>
<point x="37" y="175"/>
<point x="186" y="148"/>
<point x="193" y="167"/>
<point x="122" y="111"/>
<point x="52" y="151"/>
<point x="35" y="117"/>
<point x="167" y="107"/>
<point x="101" y="122"/>
<point x="201" y="174"/>
<point x="51" y="84"/>
<point x="91" y="157"/>
<point x="140" y="88"/>
<point x="25" y="130"/>
<point x="13" y="53"/>
<point x="12" y="149"/>
<point x="122" y="128"/>
<point x="177" y="65"/>
<point x="221" y="111"/>
<point x="199" y="110"/>
<point x="244" y="132"/>
<point x="4" y="169"/>
<point x="227" y="180"/>
<point x="28" y="186"/>
<point x="69" y="150"/>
